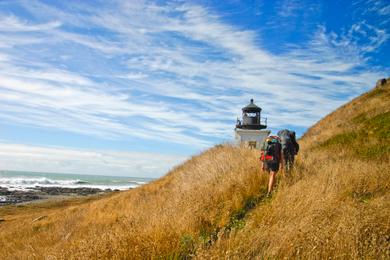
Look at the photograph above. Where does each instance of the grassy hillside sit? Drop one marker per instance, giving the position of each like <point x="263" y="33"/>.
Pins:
<point x="166" y="218"/>
<point x="336" y="203"/>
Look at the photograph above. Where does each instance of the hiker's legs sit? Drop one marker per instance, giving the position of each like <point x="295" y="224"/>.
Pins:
<point x="288" y="162"/>
<point x="292" y="160"/>
<point x="271" y="181"/>
<point x="287" y="166"/>
<point x="286" y="159"/>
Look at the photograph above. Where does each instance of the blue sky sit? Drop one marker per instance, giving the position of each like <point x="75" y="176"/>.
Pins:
<point x="136" y="87"/>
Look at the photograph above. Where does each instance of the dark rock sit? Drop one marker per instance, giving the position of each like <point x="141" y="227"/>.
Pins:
<point x="381" y="83"/>
<point x="4" y="191"/>
<point x="38" y="192"/>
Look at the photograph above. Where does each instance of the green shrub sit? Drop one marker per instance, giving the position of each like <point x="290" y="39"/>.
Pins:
<point x="341" y="139"/>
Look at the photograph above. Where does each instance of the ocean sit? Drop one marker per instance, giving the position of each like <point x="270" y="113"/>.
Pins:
<point x="18" y="180"/>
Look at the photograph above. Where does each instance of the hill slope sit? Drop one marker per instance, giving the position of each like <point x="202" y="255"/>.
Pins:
<point x="164" y="218"/>
<point x="335" y="203"/>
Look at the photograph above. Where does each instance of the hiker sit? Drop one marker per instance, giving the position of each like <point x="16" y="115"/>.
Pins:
<point x="271" y="159"/>
<point x="290" y="147"/>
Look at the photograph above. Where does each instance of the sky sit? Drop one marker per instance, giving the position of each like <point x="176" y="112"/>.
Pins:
<point x="133" y="88"/>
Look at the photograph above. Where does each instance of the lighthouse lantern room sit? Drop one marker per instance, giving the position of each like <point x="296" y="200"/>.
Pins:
<point x="251" y="130"/>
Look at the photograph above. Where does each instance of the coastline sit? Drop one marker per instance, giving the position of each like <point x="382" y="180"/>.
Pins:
<point x="39" y="193"/>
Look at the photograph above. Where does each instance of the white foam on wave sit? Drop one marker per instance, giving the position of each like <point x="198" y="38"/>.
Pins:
<point x="130" y="182"/>
<point x="36" y="181"/>
<point x="140" y="182"/>
<point x="26" y="183"/>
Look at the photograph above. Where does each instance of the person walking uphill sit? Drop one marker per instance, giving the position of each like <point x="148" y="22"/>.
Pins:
<point x="271" y="159"/>
<point x="290" y="147"/>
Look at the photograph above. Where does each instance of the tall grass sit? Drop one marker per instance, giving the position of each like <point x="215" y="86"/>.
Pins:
<point x="335" y="204"/>
<point x="337" y="209"/>
<point x="167" y="218"/>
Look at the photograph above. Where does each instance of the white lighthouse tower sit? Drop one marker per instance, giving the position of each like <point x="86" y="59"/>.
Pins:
<point x="251" y="131"/>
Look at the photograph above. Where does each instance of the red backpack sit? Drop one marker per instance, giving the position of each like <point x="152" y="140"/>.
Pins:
<point x="271" y="150"/>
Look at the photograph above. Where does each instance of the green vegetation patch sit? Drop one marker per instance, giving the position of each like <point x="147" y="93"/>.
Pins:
<point x="208" y="232"/>
<point x="380" y="124"/>
<point x="341" y="139"/>
<point x="237" y="221"/>
<point x="187" y="247"/>
<point x="373" y="152"/>
<point x="370" y="141"/>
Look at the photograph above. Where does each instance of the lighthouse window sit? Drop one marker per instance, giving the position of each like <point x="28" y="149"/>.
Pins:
<point x="252" y="144"/>
<point x="251" y="114"/>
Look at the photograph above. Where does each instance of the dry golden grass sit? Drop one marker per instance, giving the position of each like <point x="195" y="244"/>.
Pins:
<point x="335" y="204"/>
<point x="166" y="218"/>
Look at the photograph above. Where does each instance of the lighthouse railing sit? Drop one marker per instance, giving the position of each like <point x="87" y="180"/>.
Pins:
<point x="263" y="121"/>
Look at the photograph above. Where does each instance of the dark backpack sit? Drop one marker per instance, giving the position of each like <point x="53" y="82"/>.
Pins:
<point x="288" y="142"/>
<point x="271" y="150"/>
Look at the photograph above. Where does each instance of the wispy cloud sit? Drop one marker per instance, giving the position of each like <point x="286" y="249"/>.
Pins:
<point x="53" y="159"/>
<point x="289" y="8"/>
<point x="169" y="73"/>
<point x="14" y="24"/>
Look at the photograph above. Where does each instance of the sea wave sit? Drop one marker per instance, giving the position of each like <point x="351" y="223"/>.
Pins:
<point x="27" y="183"/>
<point x="136" y="182"/>
<point x="38" y="181"/>
<point x="130" y="182"/>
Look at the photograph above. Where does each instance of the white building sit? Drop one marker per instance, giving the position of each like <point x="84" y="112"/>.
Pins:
<point x="251" y="131"/>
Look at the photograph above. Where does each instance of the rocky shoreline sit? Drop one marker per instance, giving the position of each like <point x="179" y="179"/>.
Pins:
<point x="8" y="197"/>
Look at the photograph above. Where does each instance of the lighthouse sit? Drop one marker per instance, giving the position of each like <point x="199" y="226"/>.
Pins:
<point x="251" y="130"/>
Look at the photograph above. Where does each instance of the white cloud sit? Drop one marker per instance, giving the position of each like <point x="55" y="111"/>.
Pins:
<point x="14" y="24"/>
<point x="182" y="74"/>
<point x="289" y="8"/>
<point x="54" y="159"/>
<point x="361" y="38"/>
